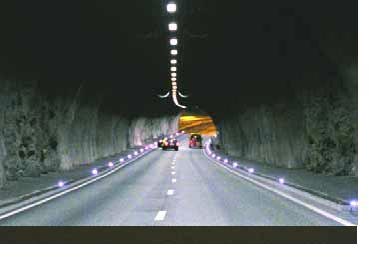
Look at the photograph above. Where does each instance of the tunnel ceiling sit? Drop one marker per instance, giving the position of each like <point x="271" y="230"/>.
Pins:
<point x="230" y="51"/>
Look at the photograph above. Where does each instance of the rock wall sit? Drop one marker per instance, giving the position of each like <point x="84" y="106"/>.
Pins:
<point x="316" y="129"/>
<point x="40" y="134"/>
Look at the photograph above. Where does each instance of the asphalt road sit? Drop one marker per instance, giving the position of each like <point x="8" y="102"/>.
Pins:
<point x="170" y="188"/>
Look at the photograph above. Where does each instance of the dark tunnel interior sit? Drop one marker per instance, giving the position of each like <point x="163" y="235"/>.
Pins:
<point x="267" y="72"/>
<point x="231" y="51"/>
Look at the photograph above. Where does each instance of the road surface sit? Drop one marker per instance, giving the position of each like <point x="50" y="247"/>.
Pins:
<point x="170" y="188"/>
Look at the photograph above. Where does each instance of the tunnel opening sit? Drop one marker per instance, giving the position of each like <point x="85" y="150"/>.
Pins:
<point x="197" y="122"/>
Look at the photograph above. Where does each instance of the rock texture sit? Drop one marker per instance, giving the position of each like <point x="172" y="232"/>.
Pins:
<point x="42" y="134"/>
<point x="316" y="129"/>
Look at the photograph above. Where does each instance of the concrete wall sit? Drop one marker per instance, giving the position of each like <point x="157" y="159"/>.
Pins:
<point x="39" y="133"/>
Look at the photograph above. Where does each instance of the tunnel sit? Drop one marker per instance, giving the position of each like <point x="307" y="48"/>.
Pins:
<point x="273" y="83"/>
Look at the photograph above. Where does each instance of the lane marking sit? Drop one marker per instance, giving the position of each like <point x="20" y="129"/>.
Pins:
<point x="160" y="216"/>
<point x="173" y="167"/>
<point x="291" y="198"/>
<point x="57" y="195"/>
<point x="174" y="180"/>
<point x="173" y="172"/>
<point x="170" y="192"/>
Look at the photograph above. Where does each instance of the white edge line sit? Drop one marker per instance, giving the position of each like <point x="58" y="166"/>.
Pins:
<point x="293" y="199"/>
<point x="160" y="216"/>
<point x="57" y="195"/>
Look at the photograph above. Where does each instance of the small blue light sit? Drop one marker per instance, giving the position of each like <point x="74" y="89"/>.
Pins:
<point x="94" y="172"/>
<point x="354" y="203"/>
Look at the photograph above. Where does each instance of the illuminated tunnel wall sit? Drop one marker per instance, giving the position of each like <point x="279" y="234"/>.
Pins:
<point x="197" y="123"/>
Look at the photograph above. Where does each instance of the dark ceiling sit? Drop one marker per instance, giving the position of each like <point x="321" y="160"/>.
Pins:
<point x="229" y="51"/>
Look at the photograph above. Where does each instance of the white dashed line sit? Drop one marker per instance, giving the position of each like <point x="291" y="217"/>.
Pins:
<point x="173" y="172"/>
<point x="174" y="180"/>
<point x="161" y="215"/>
<point x="170" y="192"/>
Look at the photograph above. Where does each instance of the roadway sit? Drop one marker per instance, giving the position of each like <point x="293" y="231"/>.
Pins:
<point x="172" y="189"/>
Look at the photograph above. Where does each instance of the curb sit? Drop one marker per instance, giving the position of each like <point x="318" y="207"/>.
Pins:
<point x="243" y="169"/>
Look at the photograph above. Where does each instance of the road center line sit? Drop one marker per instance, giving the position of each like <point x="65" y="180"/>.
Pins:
<point x="174" y="180"/>
<point x="160" y="216"/>
<point x="173" y="172"/>
<point x="170" y="192"/>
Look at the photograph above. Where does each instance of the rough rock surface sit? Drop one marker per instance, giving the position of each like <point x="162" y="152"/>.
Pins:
<point x="316" y="129"/>
<point x="42" y="134"/>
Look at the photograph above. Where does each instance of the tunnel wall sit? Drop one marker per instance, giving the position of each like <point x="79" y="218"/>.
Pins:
<point x="314" y="130"/>
<point x="42" y="134"/>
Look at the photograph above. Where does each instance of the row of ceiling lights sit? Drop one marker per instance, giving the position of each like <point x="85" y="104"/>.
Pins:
<point x="173" y="42"/>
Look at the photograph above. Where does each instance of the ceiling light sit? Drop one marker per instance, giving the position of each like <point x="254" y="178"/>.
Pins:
<point x="173" y="41"/>
<point x="172" y="26"/>
<point x="171" y="7"/>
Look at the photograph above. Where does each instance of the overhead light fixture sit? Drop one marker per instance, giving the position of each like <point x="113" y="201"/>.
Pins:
<point x="172" y="26"/>
<point x="173" y="74"/>
<point x="173" y="52"/>
<point x="173" y="68"/>
<point x="173" y="61"/>
<point x="171" y="7"/>
<point x="173" y="41"/>
<point x="174" y="83"/>
<point x="174" y="79"/>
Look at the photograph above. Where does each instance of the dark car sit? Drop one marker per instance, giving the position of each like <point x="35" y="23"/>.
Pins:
<point x="170" y="144"/>
<point x="195" y="141"/>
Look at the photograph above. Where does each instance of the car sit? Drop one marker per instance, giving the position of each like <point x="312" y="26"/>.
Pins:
<point x="161" y="142"/>
<point x="170" y="144"/>
<point x="195" y="141"/>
